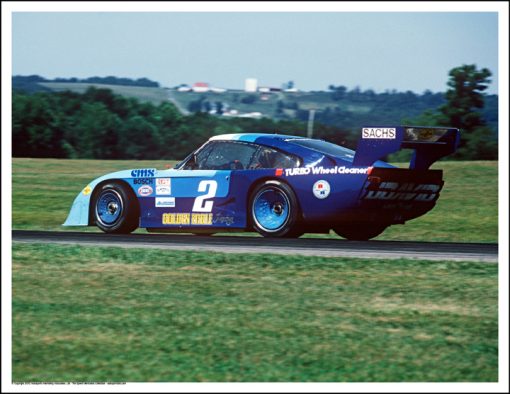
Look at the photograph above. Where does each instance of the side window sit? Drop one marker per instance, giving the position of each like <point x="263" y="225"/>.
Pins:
<point x="230" y="156"/>
<point x="271" y="158"/>
<point x="197" y="161"/>
<point x="202" y="156"/>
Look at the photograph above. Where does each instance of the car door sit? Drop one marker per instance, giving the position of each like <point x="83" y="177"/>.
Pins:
<point x="200" y="194"/>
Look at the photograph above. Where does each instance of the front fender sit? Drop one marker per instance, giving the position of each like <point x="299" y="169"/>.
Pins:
<point x="79" y="213"/>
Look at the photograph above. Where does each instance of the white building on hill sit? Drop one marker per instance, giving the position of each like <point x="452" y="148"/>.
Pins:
<point x="250" y="85"/>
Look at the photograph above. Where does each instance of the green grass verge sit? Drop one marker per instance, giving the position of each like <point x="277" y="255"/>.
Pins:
<point x="112" y="314"/>
<point x="467" y="210"/>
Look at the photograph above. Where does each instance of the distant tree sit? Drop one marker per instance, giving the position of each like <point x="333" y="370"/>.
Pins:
<point x="464" y="101"/>
<point x="97" y="132"/>
<point x="28" y="84"/>
<point x="34" y="127"/>
<point x="168" y="116"/>
<point x="250" y="99"/>
<point x="104" y="96"/>
<point x="279" y="107"/>
<point x="206" y="106"/>
<point x="140" y="139"/>
<point x="195" y="105"/>
<point x="465" y="96"/>
<point x="338" y="92"/>
<point x="219" y="108"/>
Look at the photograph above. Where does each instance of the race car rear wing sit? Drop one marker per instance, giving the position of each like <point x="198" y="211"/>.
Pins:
<point x="429" y="144"/>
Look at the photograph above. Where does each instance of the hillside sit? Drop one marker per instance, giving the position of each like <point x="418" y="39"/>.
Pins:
<point x="339" y="107"/>
<point x="346" y="109"/>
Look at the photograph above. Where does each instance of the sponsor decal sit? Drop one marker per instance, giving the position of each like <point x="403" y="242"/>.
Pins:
<point x="145" y="190"/>
<point x="297" y="171"/>
<point x="176" y="218"/>
<point x="143" y="173"/>
<point x="321" y="189"/>
<point x="163" y="190"/>
<point x="143" y="181"/>
<point x="199" y="219"/>
<point x="337" y="170"/>
<point x="226" y="220"/>
<point x="404" y="192"/>
<point x="163" y="187"/>
<point x="386" y="133"/>
<point x="87" y="190"/>
<point x="165" y="202"/>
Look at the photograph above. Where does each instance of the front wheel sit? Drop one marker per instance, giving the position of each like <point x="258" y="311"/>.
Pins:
<point x="116" y="209"/>
<point x="360" y="231"/>
<point x="274" y="210"/>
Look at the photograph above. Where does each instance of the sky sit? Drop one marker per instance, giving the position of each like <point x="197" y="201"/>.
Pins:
<point x="370" y="50"/>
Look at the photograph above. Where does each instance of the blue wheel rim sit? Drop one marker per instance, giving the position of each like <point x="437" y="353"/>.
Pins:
<point x="109" y="208"/>
<point x="271" y="209"/>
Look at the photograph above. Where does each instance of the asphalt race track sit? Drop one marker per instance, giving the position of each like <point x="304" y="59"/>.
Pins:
<point x="482" y="252"/>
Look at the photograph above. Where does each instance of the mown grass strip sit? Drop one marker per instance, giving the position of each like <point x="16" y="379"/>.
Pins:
<point x="111" y="314"/>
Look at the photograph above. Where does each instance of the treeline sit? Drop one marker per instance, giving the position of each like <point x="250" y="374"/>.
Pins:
<point x="390" y="105"/>
<point x="30" y="83"/>
<point x="101" y="125"/>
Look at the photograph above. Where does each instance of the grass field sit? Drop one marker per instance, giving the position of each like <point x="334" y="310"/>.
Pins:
<point x="111" y="314"/>
<point x="467" y="211"/>
<point x="305" y="100"/>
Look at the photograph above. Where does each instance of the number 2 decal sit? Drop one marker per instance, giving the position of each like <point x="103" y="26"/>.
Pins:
<point x="201" y="205"/>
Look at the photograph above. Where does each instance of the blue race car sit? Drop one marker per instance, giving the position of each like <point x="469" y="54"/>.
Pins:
<point x="277" y="185"/>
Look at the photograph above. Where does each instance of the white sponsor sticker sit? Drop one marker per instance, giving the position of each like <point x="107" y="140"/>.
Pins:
<point x="162" y="190"/>
<point x="145" y="190"/>
<point x="165" y="202"/>
<point x="163" y="186"/>
<point x="384" y="133"/>
<point x="321" y="189"/>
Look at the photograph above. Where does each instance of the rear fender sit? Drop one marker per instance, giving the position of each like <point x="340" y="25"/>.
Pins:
<point x="398" y="194"/>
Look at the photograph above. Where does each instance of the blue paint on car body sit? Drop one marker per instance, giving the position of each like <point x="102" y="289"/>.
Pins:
<point x="359" y="188"/>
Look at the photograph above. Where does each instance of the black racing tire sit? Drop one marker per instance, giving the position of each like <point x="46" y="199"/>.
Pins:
<point x="273" y="210"/>
<point x="360" y="231"/>
<point x="115" y="209"/>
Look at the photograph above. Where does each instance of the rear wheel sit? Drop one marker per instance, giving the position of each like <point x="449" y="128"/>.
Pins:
<point x="274" y="210"/>
<point x="115" y="209"/>
<point x="360" y="231"/>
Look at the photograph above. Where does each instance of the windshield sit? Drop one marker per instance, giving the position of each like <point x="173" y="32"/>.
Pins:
<point x="326" y="148"/>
